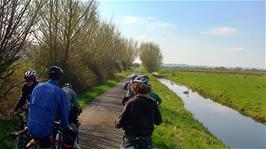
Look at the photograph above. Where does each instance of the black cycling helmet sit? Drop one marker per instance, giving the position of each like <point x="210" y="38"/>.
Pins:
<point x="55" y="72"/>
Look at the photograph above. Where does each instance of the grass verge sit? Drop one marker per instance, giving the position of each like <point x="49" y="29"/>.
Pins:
<point x="101" y="88"/>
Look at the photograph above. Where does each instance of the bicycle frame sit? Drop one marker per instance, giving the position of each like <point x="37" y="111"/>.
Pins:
<point x="58" y="143"/>
<point x="56" y="138"/>
<point x="21" y="139"/>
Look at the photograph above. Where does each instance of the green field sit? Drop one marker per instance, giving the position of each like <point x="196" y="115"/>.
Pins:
<point x="245" y="92"/>
<point x="179" y="130"/>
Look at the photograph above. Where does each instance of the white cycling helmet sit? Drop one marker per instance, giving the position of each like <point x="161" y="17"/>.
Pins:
<point x="68" y="85"/>
<point x="141" y="79"/>
<point x="30" y="75"/>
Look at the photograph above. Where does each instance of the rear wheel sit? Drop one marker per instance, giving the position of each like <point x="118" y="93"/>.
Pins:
<point x="20" y="143"/>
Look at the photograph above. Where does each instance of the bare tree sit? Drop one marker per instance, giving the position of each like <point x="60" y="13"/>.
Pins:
<point x="68" y="33"/>
<point x="128" y="53"/>
<point x="17" y="18"/>
<point x="76" y="39"/>
<point x="150" y="56"/>
<point x="61" y="30"/>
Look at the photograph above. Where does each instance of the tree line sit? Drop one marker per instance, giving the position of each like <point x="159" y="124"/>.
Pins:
<point x="69" y="33"/>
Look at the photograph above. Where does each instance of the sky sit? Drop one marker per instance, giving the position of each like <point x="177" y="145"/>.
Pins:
<point x="214" y="33"/>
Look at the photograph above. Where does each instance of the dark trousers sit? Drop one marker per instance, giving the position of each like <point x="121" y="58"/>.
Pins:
<point x="138" y="142"/>
<point x="44" y="142"/>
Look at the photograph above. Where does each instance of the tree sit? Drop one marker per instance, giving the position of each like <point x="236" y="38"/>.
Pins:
<point x="150" y="56"/>
<point x="68" y="33"/>
<point x="17" y="20"/>
<point x="61" y="33"/>
<point x="128" y="53"/>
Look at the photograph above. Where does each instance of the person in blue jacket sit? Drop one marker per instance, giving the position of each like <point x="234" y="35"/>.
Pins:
<point x="48" y="102"/>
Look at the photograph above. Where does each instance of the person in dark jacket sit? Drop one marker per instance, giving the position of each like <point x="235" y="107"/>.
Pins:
<point x="74" y="111"/>
<point x="139" y="116"/>
<point x="73" y="105"/>
<point x="48" y="102"/>
<point x="31" y="82"/>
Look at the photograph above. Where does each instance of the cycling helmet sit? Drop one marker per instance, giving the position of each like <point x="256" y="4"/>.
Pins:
<point x="141" y="79"/>
<point x="30" y="75"/>
<point x="55" y="73"/>
<point x="140" y="85"/>
<point x="55" y="70"/>
<point x="68" y="84"/>
<point x="133" y="76"/>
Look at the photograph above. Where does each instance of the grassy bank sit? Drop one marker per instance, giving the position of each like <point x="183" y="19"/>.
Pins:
<point x="179" y="130"/>
<point x="245" y="92"/>
<point x="101" y="88"/>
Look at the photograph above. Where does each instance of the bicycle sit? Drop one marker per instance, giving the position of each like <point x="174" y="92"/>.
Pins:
<point x="22" y="140"/>
<point x="57" y="139"/>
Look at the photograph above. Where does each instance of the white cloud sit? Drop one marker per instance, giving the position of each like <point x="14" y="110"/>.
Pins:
<point x="150" y="22"/>
<point x="221" y="31"/>
<point x="130" y="19"/>
<point x="235" y="49"/>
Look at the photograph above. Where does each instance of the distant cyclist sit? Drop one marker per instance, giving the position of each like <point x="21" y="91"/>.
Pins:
<point x="31" y="81"/>
<point x="130" y="92"/>
<point x="138" y="117"/>
<point x="152" y="94"/>
<point x="48" y="101"/>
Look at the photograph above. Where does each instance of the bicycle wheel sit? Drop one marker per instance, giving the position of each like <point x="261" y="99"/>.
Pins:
<point x="20" y="143"/>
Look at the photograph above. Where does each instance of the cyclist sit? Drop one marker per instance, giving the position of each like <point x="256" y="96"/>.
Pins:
<point x="139" y="116"/>
<point x="73" y="105"/>
<point x="31" y="82"/>
<point x="47" y="102"/>
<point x="130" y="92"/>
<point x="74" y="112"/>
<point x="152" y="94"/>
<point x="133" y="77"/>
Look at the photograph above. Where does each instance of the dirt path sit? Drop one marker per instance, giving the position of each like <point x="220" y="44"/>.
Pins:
<point x="97" y="129"/>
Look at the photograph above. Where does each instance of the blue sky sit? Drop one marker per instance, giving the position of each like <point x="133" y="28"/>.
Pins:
<point x="214" y="33"/>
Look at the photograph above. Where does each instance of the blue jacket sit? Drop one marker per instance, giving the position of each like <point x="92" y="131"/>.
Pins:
<point x="47" y="102"/>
